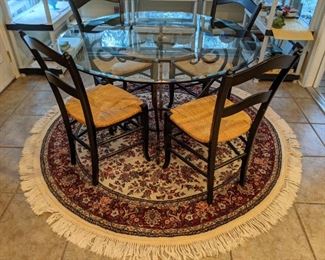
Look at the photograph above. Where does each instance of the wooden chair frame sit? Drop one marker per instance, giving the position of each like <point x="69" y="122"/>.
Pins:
<point x="89" y="27"/>
<point x="282" y="62"/>
<point x="253" y="8"/>
<point x="206" y="83"/>
<point x="79" y="92"/>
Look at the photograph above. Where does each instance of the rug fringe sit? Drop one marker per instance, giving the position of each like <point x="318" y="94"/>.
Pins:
<point x="108" y="245"/>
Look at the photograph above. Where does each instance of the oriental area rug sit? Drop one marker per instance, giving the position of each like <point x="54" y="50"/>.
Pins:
<point x="141" y="211"/>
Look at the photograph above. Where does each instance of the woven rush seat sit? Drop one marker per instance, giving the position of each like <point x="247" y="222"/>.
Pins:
<point x="201" y="67"/>
<point x="120" y="68"/>
<point x="109" y="105"/>
<point x="195" y="119"/>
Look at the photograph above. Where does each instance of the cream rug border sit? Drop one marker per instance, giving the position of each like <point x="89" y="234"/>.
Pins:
<point x="103" y="242"/>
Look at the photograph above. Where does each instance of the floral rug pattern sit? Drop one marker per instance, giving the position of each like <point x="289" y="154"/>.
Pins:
<point x="140" y="198"/>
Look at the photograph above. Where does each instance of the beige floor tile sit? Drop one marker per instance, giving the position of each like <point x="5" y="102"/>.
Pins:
<point x="10" y="100"/>
<point x="29" y="83"/>
<point x="313" y="220"/>
<point x="313" y="180"/>
<point x="282" y="91"/>
<point x="286" y="241"/>
<point x="225" y="256"/>
<point x="254" y="87"/>
<point x="27" y="236"/>
<point x="9" y="176"/>
<point x="4" y="200"/>
<point x="288" y="110"/>
<point x="296" y="91"/>
<point x="37" y="103"/>
<point x="76" y="253"/>
<point x="311" y="110"/>
<point x="311" y="145"/>
<point x="4" y="116"/>
<point x="15" y="130"/>
<point x="320" y="130"/>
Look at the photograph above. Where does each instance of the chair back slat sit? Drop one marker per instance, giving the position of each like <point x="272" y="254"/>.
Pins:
<point x="75" y="5"/>
<point x="248" y="102"/>
<point x="249" y="5"/>
<point x="277" y="62"/>
<point x="282" y="62"/>
<point x="79" y="3"/>
<point x="65" y="60"/>
<point x="34" y="44"/>
<point x="57" y="82"/>
<point x="78" y="90"/>
<point x="91" y="25"/>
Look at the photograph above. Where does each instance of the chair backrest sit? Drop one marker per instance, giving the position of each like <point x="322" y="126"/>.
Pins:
<point x="40" y="50"/>
<point x="249" y="5"/>
<point x="282" y="62"/>
<point x="77" y="4"/>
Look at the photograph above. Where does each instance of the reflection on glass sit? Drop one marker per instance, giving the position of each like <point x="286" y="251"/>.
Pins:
<point x="33" y="12"/>
<point x="165" y="45"/>
<point x="115" y="39"/>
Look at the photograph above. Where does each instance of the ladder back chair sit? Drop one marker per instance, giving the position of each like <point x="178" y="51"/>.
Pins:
<point x="98" y="108"/>
<point x="249" y="5"/>
<point x="206" y="63"/>
<point x="214" y="119"/>
<point x="114" y="65"/>
<point x="90" y="26"/>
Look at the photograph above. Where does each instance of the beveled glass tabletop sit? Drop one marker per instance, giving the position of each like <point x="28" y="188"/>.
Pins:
<point x="160" y="47"/>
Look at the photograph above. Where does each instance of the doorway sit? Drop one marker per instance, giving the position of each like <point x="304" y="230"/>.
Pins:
<point x="6" y="72"/>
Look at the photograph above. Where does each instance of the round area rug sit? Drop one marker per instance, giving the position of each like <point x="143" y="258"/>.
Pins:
<point x="140" y="210"/>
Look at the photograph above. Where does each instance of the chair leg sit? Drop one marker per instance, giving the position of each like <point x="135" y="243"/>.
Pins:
<point x="171" y="95"/>
<point x="72" y="146"/>
<point x="125" y="85"/>
<point x="112" y="130"/>
<point x="167" y="139"/>
<point x="243" y="170"/>
<point x="96" y="80"/>
<point x="245" y="161"/>
<point x="145" y="131"/>
<point x="94" y="156"/>
<point x="229" y="94"/>
<point x="210" y="176"/>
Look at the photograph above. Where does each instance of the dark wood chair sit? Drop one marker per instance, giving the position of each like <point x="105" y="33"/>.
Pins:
<point x="98" y="108"/>
<point x="249" y="5"/>
<point x="113" y="65"/>
<point x="214" y="119"/>
<point x="90" y="26"/>
<point x="207" y="64"/>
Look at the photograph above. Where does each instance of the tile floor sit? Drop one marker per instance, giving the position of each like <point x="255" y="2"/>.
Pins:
<point x="23" y="235"/>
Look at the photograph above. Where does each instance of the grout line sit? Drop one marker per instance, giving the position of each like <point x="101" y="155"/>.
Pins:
<point x="231" y="256"/>
<point x="8" y="146"/>
<point x="9" y="202"/>
<point x="64" y="249"/>
<point x="15" y="108"/>
<point x="303" y="110"/>
<point x="295" y="101"/>
<point x="318" y="98"/>
<point x="304" y="230"/>
<point x="317" y="134"/>
<point x="310" y="203"/>
<point x="10" y="192"/>
<point x="313" y="156"/>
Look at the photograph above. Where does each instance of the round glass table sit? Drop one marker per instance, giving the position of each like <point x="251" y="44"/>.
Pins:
<point x="160" y="47"/>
